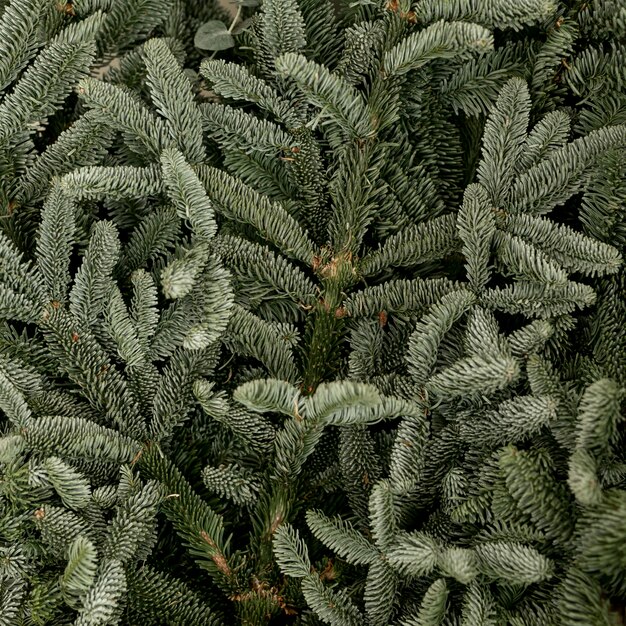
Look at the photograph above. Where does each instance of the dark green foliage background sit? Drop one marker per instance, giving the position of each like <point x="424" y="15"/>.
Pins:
<point x="327" y="327"/>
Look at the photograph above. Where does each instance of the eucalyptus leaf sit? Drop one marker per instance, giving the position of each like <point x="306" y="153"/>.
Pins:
<point x="213" y="35"/>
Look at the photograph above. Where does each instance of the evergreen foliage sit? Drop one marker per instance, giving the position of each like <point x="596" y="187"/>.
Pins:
<point x="326" y="326"/>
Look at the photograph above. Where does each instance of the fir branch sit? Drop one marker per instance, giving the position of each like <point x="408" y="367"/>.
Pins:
<point x="131" y="71"/>
<point x="482" y="334"/>
<point x="539" y="300"/>
<point x="18" y="37"/>
<point x="133" y="525"/>
<point x="60" y="528"/>
<point x="555" y="179"/>
<point x="503" y="140"/>
<point x="237" y="130"/>
<point x="528" y="477"/>
<point x="142" y="130"/>
<point x="119" y="182"/>
<point x="131" y="20"/>
<point x="383" y="517"/>
<point x="79" y="438"/>
<point x="424" y="242"/>
<point x="571" y="250"/>
<point x="260" y="265"/>
<point x="54" y="72"/>
<point x="80" y="571"/>
<point x="237" y="82"/>
<point x="252" y="429"/>
<point x="530" y="338"/>
<point x="171" y="94"/>
<point x="102" y="602"/>
<point x="120" y="328"/>
<point x="599" y="415"/>
<point x="341" y="537"/>
<point x="200" y="528"/>
<point x="72" y="487"/>
<point x="282" y="26"/>
<point x="514" y="420"/>
<point x="477" y="226"/>
<point x="338" y="100"/>
<point x="407" y="454"/>
<point x="232" y="482"/>
<point x="143" y="307"/>
<point x="353" y="190"/>
<point x="236" y="201"/>
<point x="492" y="14"/>
<point x="381" y="587"/>
<point x="270" y="395"/>
<point x="527" y="262"/>
<point x="212" y="306"/>
<point x="249" y="335"/>
<point x="473" y="375"/>
<point x="153" y="236"/>
<point x="441" y="40"/>
<point x="474" y="87"/>
<point x="433" y="607"/>
<point x="86" y="363"/>
<point x="550" y="133"/>
<point x="332" y="399"/>
<point x="188" y="194"/>
<point x="157" y="594"/>
<point x="88" y="295"/>
<point x="334" y="607"/>
<point x="84" y="143"/>
<point x="13" y="403"/>
<point x="496" y="560"/>
<point x="171" y="404"/>
<point x="398" y="296"/>
<point x="414" y="554"/>
<point x="362" y="47"/>
<point x="54" y="243"/>
<point x="430" y="331"/>
<point x="22" y="291"/>
<point x="291" y="552"/>
<point x="478" y="606"/>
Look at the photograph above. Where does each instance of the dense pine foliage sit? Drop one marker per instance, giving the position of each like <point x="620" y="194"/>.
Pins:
<point x="312" y="312"/>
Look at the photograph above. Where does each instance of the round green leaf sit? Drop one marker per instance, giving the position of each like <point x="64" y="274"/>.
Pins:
<point x="213" y="35"/>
